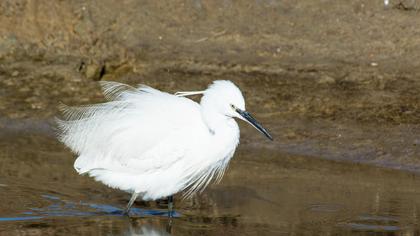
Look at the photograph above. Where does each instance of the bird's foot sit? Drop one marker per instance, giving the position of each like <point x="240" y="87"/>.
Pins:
<point x="126" y="212"/>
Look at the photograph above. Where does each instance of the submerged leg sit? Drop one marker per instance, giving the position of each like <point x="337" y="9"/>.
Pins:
<point x="130" y="203"/>
<point x="170" y="206"/>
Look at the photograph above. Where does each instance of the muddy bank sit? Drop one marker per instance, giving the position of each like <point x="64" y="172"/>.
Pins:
<point x="259" y="33"/>
<point x="330" y="59"/>
<point x="331" y="79"/>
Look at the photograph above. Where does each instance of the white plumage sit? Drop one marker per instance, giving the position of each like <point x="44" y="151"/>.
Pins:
<point x="154" y="143"/>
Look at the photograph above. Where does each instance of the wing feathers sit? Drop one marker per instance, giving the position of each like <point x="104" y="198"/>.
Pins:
<point x="113" y="90"/>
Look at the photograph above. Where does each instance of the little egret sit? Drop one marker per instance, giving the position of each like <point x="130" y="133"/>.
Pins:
<point x="154" y="144"/>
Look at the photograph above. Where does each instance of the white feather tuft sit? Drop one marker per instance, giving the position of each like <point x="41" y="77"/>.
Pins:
<point x="191" y="93"/>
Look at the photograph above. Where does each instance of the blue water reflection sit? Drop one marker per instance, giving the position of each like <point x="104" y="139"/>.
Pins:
<point x="64" y="208"/>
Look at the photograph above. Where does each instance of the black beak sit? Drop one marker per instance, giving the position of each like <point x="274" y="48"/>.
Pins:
<point x="254" y="122"/>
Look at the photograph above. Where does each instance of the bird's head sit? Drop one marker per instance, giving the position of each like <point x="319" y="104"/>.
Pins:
<point x="223" y="98"/>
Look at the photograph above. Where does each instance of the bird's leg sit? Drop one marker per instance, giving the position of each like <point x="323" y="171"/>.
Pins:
<point x="170" y="213"/>
<point x="170" y="206"/>
<point x="130" y="203"/>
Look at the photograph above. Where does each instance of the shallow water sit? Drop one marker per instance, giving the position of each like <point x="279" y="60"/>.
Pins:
<point x="265" y="192"/>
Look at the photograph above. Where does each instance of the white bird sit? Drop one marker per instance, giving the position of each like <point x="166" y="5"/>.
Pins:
<point x="154" y="144"/>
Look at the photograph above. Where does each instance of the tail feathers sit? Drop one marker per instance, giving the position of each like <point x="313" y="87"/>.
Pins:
<point x="114" y="179"/>
<point x="143" y="184"/>
<point x="109" y="175"/>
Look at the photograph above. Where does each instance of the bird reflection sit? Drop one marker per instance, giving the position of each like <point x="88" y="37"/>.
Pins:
<point x="141" y="228"/>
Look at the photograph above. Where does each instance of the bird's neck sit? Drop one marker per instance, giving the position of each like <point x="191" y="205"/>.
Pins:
<point x="218" y="123"/>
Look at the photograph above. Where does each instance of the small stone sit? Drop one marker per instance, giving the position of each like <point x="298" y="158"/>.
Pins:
<point x="15" y="73"/>
<point x="93" y="71"/>
<point x="325" y="79"/>
<point x="291" y="134"/>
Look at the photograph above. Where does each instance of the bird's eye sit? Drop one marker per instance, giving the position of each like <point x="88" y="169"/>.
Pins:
<point x="233" y="106"/>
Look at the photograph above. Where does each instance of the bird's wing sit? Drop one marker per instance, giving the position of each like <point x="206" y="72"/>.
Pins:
<point x="121" y="132"/>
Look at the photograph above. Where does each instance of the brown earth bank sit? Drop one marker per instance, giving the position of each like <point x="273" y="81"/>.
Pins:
<point x="330" y="79"/>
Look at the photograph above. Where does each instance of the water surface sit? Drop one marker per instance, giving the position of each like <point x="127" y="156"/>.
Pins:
<point x="264" y="192"/>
